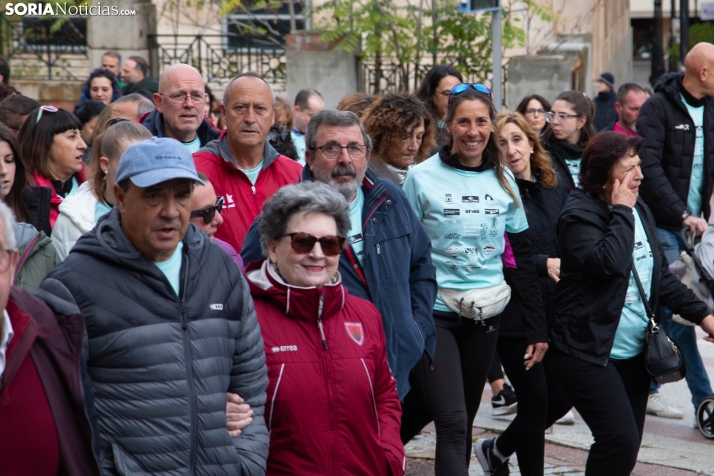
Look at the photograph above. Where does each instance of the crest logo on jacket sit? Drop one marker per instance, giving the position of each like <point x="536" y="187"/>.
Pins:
<point x="230" y="203"/>
<point x="355" y="331"/>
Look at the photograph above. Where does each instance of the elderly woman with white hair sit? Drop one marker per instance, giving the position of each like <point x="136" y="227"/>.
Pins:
<point x="332" y="402"/>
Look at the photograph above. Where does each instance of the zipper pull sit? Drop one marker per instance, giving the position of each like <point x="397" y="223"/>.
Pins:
<point x="322" y="334"/>
<point x="377" y="248"/>
<point x="253" y="189"/>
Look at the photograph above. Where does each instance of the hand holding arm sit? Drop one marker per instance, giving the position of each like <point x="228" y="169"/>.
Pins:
<point x="534" y="354"/>
<point x="553" y="265"/>
<point x="238" y="414"/>
<point x="708" y="325"/>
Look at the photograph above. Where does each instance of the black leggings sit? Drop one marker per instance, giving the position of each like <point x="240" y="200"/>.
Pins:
<point x="452" y="388"/>
<point x="612" y="400"/>
<point x="541" y="402"/>
<point x="495" y="373"/>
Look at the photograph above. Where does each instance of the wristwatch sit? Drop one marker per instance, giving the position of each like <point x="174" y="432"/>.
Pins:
<point x="685" y="215"/>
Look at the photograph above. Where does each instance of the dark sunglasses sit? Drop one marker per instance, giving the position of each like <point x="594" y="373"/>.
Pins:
<point x="460" y="88"/>
<point x="303" y="243"/>
<point x="209" y="212"/>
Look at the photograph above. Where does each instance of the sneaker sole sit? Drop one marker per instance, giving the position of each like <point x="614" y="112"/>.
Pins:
<point x="481" y="457"/>
<point x="665" y="415"/>
<point x="505" y="410"/>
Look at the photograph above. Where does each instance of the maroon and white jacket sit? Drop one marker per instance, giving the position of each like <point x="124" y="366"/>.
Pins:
<point x="332" y="403"/>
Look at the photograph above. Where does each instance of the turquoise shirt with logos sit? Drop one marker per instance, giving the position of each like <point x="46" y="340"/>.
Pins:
<point x="630" y="334"/>
<point x="466" y="214"/>
<point x="253" y="173"/>
<point x="299" y="143"/>
<point x="101" y="209"/>
<point x="194" y="145"/>
<point x="172" y="268"/>
<point x="574" y="169"/>
<point x="696" y="181"/>
<point x="354" y="237"/>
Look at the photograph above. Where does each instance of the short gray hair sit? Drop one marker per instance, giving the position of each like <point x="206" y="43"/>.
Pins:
<point x="333" y="117"/>
<point x="304" y="197"/>
<point x="8" y="221"/>
<point x="249" y="74"/>
<point x="144" y="105"/>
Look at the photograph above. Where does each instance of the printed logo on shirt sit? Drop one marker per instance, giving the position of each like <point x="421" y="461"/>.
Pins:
<point x="494" y="229"/>
<point x="488" y="197"/>
<point x="489" y="248"/>
<point x="452" y="266"/>
<point x="470" y="268"/>
<point x="284" y="348"/>
<point x="492" y="211"/>
<point x="452" y="236"/>
<point x="630" y="298"/>
<point x="470" y="251"/>
<point x="216" y="307"/>
<point x="472" y="211"/>
<point x="684" y="127"/>
<point x="449" y="198"/>
<point x="452" y="222"/>
<point x="640" y="258"/>
<point x="452" y="211"/>
<point x="355" y="238"/>
<point x="229" y="202"/>
<point x="639" y="245"/>
<point x="355" y="331"/>
<point x="453" y="251"/>
<point x="469" y="199"/>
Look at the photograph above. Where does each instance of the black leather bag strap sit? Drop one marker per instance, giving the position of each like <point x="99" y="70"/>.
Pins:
<point x="643" y="296"/>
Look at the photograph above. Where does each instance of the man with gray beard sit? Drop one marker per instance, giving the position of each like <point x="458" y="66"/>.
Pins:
<point x="387" y="257"/>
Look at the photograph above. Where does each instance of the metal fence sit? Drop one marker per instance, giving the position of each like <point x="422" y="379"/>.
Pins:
<point x="390" y="77"/>
<point x="38" y="52"/>
<point x="221" y="57"/>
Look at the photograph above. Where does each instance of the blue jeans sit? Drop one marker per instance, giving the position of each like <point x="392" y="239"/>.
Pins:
<point x="683" y="336"/>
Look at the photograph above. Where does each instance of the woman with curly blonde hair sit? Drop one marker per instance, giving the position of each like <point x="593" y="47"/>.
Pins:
<point x="402" y="131"/>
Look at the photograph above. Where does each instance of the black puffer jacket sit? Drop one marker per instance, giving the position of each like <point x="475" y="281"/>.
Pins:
<point x="542" y="206"/>
<point x="668" y="152"/>
<point x="595" y="248"/>
<point x="605" y="113"/>
<point x="160" y="364"/>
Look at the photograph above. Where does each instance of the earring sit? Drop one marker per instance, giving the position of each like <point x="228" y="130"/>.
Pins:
<point x="532" y="151"/>
<point x="106" y="172"/>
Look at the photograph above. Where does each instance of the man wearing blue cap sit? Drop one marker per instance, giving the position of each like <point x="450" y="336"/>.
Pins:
<point x="170" y="327"/>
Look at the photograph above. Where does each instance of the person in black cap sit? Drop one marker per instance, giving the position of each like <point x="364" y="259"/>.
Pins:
<point x="605" y="113"/>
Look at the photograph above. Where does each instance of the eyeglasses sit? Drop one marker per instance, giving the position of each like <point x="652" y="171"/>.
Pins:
<point x="562" y="117"/>
<point x="460" y="88"/>
<point x="180" y="98"/>
<point x="209" y="212"/>
<point x="533" y="112"/>
<point x="333" y="151"/>
<point x="45" y="108"/>
<point x="445" y="93"/>
<point x="5" y="256"/>
<point x="303" y="243"/>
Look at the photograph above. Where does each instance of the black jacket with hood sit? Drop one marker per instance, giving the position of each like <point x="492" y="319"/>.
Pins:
<point x="595" y="248"/>
<point x="154" y="121"/>
<point x="668" y="152"/>
<point x="161" y="364"/>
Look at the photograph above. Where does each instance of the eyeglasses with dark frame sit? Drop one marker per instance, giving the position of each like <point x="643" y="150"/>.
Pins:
<point x="209" y="212"/>
<point x="303" y="243"/>
<point x="333" y="151"/>
<point x="533" y="112"/>
<point x="446" y="93"/>
<point x="180" y="98"/>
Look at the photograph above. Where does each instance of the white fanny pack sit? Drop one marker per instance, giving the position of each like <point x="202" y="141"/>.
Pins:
<point x="477" y="304"/>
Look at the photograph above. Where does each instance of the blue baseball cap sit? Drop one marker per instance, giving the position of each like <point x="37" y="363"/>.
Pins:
<point x="156" y="160"/>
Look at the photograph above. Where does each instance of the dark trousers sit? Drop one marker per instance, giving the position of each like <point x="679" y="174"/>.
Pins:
<point x="452" y="388"/>
<point x="541" y="402"/>
<point x="612" y="400"/>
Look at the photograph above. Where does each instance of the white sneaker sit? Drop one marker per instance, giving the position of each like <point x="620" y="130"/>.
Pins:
<point x="568" y="419"/>
<point x="658" y="406"/>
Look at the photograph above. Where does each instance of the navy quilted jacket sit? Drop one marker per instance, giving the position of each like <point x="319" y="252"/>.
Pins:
<point x="160" y="364"/>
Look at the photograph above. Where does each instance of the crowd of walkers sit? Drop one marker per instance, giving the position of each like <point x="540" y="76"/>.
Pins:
<point x="195" y="285"/>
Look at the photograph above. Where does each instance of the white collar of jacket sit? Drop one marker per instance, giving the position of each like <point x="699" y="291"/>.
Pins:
<point x="80" y="207"/>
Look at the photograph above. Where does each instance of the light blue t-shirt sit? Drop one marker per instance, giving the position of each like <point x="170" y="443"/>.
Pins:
<point x="574" y="169"/>
<point x="299" y="142"/>
<point x="253" y="173"/>
<point x="100" y="210"/>
<point x="354" y="237"/>
<point x="630" y="334"/>
<point x="466" y="214"/>
<point x="696" y="182"/>
<point x="194" y="145"/>
<point x="172" y="268"/>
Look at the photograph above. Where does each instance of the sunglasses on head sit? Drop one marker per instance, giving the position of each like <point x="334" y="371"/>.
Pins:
<point x="460" y="88"/>
<point x="303" y="243"/>
<point x="45" y="108"/>
<point x="209" y="212"/>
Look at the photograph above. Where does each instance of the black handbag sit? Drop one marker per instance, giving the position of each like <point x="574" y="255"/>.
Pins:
<point x="663" y="360"/>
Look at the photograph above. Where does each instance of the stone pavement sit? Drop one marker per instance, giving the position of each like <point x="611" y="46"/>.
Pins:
<point x="669" y="447"/>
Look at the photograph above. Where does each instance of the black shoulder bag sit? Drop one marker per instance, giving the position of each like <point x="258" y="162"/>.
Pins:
<point x="663" y="360"/>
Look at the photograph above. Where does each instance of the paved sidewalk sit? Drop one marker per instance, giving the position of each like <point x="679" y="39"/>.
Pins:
<point x="669" y="447"/>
